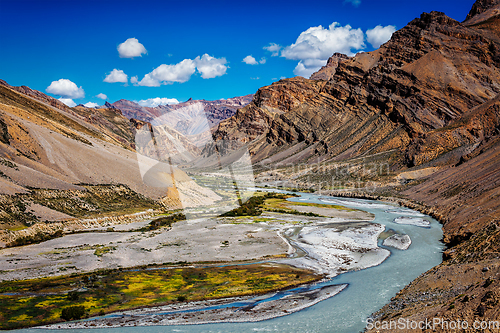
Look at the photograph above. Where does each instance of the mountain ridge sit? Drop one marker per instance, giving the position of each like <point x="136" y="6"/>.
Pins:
<point x="74" y="159"/>
<point x="424" y="107"/>
<point x="389" y="88"/>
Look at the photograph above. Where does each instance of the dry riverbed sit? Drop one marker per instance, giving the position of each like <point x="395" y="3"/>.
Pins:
<point x="330" y="240"/>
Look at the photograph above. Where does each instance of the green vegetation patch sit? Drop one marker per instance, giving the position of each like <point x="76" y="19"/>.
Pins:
<point x="164" y="221"/>
<point x="101" y="250"/>
<point x="97" y="200"/>
<point x="293" y="212"/>
<point x="49" y="300"/>
<point x="254" y="206"/>
<point x="310" y="204"/>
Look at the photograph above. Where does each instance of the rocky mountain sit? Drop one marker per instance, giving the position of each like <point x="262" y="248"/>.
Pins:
<point x="185" y="116"/>
<point x="482" y="11"/>
<point x="424" y="108"/>
<point x="327" y="71"/>
<point x="429" y="74"/>
<point x="57" y="163"/>
<point x="38" y="96"/>
<point x="181" y="130"/>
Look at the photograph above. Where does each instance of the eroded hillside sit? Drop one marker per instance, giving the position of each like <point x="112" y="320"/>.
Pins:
<point x="53" y="154"/>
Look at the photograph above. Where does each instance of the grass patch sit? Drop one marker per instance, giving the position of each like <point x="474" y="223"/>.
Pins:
<point x="164" y="221"/>
<point x="310" y="204"/>
<point x="293" y="212"/>
<point x="42" y="301"/>
<point x="101" y="250"/>
<point x="255" y="205"/>
<point x="263" y="219"/>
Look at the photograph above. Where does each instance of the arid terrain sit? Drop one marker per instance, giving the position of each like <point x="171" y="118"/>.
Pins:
<point x="415" y="122"/>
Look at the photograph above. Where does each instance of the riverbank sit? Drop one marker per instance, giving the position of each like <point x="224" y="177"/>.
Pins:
<point x="365" y="293"/>
<point x="466" y="284"/>
<point x="116" y="246"/>
<point x="104" y="276"/>
<point x="228" y="310"/>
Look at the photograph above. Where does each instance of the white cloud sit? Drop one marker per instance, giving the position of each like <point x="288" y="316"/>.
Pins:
<point x="66" y="89"/>
<point x="134" y="79"/>
<point x="379" y="35"/>
<point x="314" y="46"/>
<point x="90" y="104"/>
<point x="249" y="60"/>
<point x="131" y="48"/>
<point x="68" y="101"/>
<point x="165" y="74"/>
<point x="355" y="3"/>
<point x="154" y="102"/>
<point x="210" y="67"/>
<point x="116" y="75"/>
<point x="274" y="49"/>
<point x="102" y="96"/>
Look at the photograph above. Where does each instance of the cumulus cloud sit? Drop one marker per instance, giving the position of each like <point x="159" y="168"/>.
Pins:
<point x="355" y="3"/>
<point x="379" y="35"/>
<point x="66" y="89"/>
<point x="210" y="67"/>
<point x="134" y="79"/>
<point x="91" y="104"/>
<point x="116" y="75"/>
<point x="314" y="46"/>
<point x="68" y="101"/>
<point x="102" y="96"/>
<point x="249" y="60"/>
<point x="274" y="49"/>
<point x="165" y="74"/>
<point x="154" y="102"/>
<point x="131" y="48"/>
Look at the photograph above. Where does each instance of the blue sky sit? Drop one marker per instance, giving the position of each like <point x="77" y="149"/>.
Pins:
<point x="45" y="41"/>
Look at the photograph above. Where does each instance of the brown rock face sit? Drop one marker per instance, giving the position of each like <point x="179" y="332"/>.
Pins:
<point x="482" y="6"/>
<point x="427" y="76"/>
<point x="327" y="72"/>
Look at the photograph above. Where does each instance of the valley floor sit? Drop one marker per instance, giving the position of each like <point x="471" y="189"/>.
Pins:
<point x="196" y="252"/>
